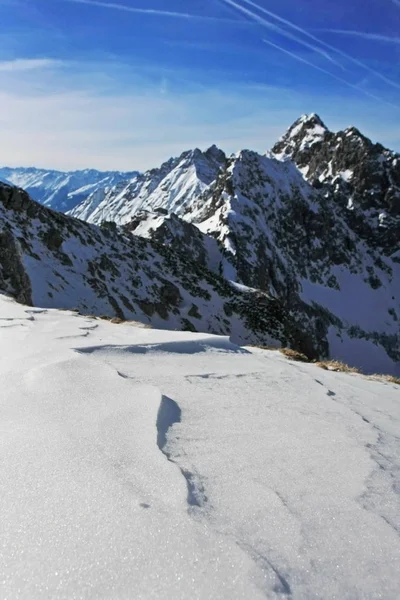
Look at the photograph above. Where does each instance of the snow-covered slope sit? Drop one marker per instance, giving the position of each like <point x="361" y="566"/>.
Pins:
<point x="172" y="187"/>
<point x="52" y="260"/>
<point x="282" y="235"/>
<point x="315" y="225"/>
<point x="263" y="225"/>
<point x="62" y="190"/>
<point x="143" y="464"/>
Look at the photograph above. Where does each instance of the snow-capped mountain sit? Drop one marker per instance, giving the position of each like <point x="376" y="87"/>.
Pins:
<point x="53" y="260"/>
<point x="62" y="190"/>
<point x="171" y="187"/>
<point x="361" y="177"/>
<point x="267" y="223"/>
<point x="309" y="230"/>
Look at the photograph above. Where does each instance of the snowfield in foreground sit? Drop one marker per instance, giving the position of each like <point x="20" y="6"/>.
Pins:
<point x="138" y="463"/>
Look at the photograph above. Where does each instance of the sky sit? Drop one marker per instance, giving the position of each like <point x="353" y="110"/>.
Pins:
<point x="126" y="84"/>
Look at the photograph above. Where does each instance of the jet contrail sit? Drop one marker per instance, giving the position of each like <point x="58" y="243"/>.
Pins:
<point x="282" y="31"/>
<point x="307" y="62"/>
<point x="326" y="45"/>
<point x="365" y="35"/>
<point x="149" y="11"/>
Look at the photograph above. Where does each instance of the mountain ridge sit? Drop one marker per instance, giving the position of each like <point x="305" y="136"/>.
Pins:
<point x="61" y="190"/>
<point x="305" y="226"/>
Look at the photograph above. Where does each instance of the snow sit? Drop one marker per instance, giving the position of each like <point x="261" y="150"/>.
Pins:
<point x="313" y="135"/>
<point x="172" y="187"/>
<point x="362" y="305"/>
<point x="346" y="175"/>
<point x="155" y="464"/>
<point x="62" y="190"/>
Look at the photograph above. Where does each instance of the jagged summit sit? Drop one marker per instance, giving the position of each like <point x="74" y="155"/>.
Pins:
<point x="360" y="176"/>
<point x="172" y="187"/>
<point x="314" y="225"/>
<point x="310" y="120"/>
<point x="215" y="153"/>
<point x="305" y="132"/>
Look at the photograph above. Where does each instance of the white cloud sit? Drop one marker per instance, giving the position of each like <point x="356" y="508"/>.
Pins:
<point x="87" y="115"/>
<point x="27" y="64"/>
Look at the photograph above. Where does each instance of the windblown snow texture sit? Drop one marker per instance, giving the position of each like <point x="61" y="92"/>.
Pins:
<point x="161" y="464"/>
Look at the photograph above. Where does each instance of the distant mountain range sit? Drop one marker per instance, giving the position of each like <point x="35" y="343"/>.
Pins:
<point x="299" y="246"/>
<point x="61" y="190"/>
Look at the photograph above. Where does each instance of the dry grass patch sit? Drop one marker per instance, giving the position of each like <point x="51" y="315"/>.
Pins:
<point x="139" y="324"/>
<point x="385" y="378"/>
<point x="118" y="321"/>
<point x="294" y="355"/>
<point x="262" y="347"/>
<point x="336" y="365"/>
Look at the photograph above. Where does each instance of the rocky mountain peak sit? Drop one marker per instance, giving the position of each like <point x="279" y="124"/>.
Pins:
<point x="304" y="133"/>
<point x="362" y="177"/>
<point x="215" y="154"/>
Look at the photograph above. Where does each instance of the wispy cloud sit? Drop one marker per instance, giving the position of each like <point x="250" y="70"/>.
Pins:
<point x="396" y="2"/>
<point x="324" y="44"/>
<point x="27" y="64"/>
<point x="280" y="30"/>
<point x="149" y="11"/>
<point x="365" y="35"/>
<point x="139" y="119"/>
<point x="136" y="123"/>
<point x="322" y="70"/>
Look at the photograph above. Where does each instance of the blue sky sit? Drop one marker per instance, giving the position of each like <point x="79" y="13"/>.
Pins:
<point x="127" y="84"/>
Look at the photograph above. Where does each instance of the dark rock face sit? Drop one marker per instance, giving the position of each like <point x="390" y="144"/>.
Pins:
<point x="170" y="294"/>
<point x="179" y="235"/>
<point x="361" y="177"/>
<point x="13" y="277"/>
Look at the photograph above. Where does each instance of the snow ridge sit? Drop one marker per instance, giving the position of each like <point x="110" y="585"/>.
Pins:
<point x="62" y="190"/>
<point x="172" y="187"/>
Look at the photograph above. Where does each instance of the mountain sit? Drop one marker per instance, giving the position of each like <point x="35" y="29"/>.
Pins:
<point x="170" y="187"/>
<point x="61" y="190"/>
<point x="305" y="237"/>
<point x="147" y="464"/>
<point x="361" y="177"/>
<point x="264" y="225"/>
<point x="52" y="260"/>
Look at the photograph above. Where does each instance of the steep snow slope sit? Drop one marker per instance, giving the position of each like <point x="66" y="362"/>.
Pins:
<point x="153" y="464"/>
<point x="171" y="187"/>
<point x="62" y="190"/>
<point x="52" y="260"/>
<point x="179" y="235"/>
